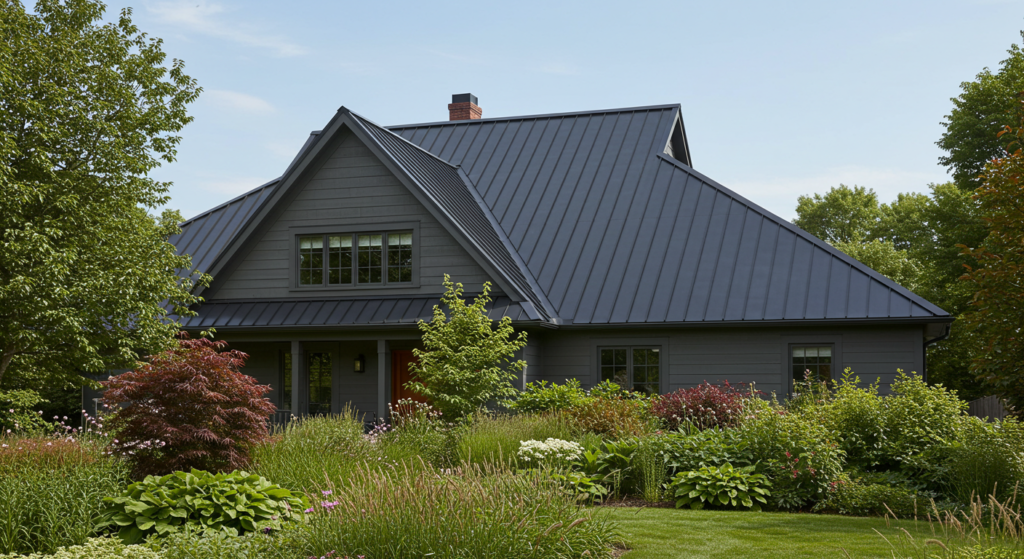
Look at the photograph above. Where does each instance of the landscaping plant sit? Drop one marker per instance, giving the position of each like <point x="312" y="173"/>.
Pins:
<point x="95" y="548"/>
<point x="551" y="453"/>
<point x="188" y="407"/>
<point x="51" y="491"/>
<point x="706" y="406"/>
<point x="467" y="360"/>
<point x="724" y="487"/>
<point x="235" y="503"/>
<point x="541" y="396"/>
<point x="613" y="417"/>
<point x="495" y="438"/>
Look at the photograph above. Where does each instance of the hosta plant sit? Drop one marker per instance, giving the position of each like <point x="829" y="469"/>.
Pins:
<point x="587" y="488"/>
<point x="235" y="503"/>
<point x="723" y="486"/>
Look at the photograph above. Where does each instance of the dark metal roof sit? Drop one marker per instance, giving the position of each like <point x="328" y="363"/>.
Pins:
<point x="617" y="232"/>
<point x="591" y="217"/>
<point x="450" y="190"/>
<point x="333" y="313"/>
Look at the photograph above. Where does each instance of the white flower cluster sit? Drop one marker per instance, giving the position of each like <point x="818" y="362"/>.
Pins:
<point x="549" y="450"/>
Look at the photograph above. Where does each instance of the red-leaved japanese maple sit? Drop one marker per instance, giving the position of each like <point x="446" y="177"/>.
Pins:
<point x="705" y="406"/>
<point x="188" y="407"/>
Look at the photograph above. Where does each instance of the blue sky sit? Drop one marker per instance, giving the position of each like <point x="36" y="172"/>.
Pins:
<point x="779" y="99"/>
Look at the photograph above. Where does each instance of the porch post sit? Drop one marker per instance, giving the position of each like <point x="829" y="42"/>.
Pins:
<point x="298" y="378"/>
<point x="382" y="397"/>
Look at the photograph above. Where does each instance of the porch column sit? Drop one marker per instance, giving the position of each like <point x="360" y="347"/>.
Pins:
<point x="299" y="382"/>
<point x="382" y="385"/>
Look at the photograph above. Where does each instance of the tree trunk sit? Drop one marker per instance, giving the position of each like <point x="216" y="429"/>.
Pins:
<point x="5" y="360"/>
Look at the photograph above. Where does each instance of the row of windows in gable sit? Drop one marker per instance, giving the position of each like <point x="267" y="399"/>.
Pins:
<point x="355" y="259"/>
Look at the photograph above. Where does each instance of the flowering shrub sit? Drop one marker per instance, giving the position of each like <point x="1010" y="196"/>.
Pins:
<point x="550" y="452"/>
<point x="706" y="406"/>
<point x="234" y="503"/>
<point x="189" y="407"/>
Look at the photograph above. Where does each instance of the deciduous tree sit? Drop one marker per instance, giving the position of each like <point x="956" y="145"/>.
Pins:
<point x="87" y="111"/>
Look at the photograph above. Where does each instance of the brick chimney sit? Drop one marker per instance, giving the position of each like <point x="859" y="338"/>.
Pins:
<point x="464" y="107"/>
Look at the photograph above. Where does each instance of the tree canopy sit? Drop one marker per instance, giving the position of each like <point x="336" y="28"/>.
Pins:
<point x="985" y="107"/>
<point x="87" y="111"/>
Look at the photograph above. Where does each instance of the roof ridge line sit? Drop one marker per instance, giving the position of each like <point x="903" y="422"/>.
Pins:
<point x="538" y="116"/>
<point x="833" y="251"/>
<point x="229" y="202"/>
<point x="368" y="121"/>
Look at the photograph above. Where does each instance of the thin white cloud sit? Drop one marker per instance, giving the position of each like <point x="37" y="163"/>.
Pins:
<point x="236" y="101"/>
<point x="199" y="16"/>
<point x="779" y="195"/>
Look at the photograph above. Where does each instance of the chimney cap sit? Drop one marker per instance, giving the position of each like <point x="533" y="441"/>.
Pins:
<point x="464" y="98"/>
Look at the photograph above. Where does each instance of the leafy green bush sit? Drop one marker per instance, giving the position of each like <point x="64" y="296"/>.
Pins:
<point x="541" y="396"/>
<point x="190" y="544"/>
<point x="612" y="465"/>
<point x="95" y="548"/>
<point x="17" y="415"/>
<point x="989" y="459"/>
<point x="589" y="488"/>
<point x="51" y="491"/>
<point x="860" y="497"/>
<point x="710" y="447"/>
<point x="613" y="417"/>
<point x="234" y="502"/>
<point x="796" y="453"/>
<point x="724" y="487"/>
<point x="467" y="512"/>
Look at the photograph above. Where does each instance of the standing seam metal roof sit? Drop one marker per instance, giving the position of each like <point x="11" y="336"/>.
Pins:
<point x="590" y="217"/>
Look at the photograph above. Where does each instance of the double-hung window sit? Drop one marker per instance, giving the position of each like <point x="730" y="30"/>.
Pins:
<point x="355" y="259"/>
<point x="631" y="367"/>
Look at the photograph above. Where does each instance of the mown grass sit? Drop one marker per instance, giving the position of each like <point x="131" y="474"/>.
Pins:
<point x="660" y="533"/>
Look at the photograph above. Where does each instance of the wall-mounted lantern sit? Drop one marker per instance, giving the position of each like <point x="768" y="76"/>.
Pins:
<point x="360" y="364"/>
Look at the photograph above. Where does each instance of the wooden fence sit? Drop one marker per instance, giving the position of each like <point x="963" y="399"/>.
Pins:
<point x="989" y="406"/>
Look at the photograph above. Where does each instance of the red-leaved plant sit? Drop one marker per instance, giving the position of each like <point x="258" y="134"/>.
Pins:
<point x="189" y="407"/>
<point x="705" y="406"/>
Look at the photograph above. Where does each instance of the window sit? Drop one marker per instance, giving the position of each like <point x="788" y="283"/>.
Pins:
<point x="355" y="259"/>
<point x="286" y="381"/>
<point x="319" y="383"/>
<point x="812" y="361"/>
<point x="632" y="368"/>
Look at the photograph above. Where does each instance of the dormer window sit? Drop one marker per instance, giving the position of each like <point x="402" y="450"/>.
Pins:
<point x="355" y="259"/>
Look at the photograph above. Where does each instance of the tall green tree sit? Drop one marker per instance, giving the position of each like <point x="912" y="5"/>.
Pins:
<point x="982" y="109"/>
<point x="997" y="311"/>
<point x="87" y="111"/>
<point x="842" y="215"/>
<point x="467" y="360"/>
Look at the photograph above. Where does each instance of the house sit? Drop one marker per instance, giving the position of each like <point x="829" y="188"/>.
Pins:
<point x="602" y="242"/>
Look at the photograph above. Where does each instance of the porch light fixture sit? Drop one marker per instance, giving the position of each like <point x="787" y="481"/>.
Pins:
<point x="360" y="364"/>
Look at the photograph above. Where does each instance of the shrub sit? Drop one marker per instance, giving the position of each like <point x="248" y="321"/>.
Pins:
<point x="17" y="415"/>
<point x="189" y="407"/>
<point x="305" y="451"/>
<point x="552" y="453"/>
<point x="724" y="487"/>
<point x="51" y="491"/>
<point x="417" y="431"/>
<point x="989" y="460"/>
<point x="797" y="454"/>
<point x="612" y="465"/>
<point x="710" y="447"/>
<point x="614" y="417"/>
<point x="467" y="360"/>
<point x="540" y="396"/>
<point x="96" y="548"/>
<point x="189" y="544"/>
<point x="705" y="406"/>
<point x="234" y="503"/>
<point x="918" y="416"/>
<point x="470" y="512"/>
<point x="859" y="497"/>
<point x="496" y="438"/>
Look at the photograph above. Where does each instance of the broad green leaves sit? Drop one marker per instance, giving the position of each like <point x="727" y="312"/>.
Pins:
<point x="234" y="503"/>
<point x="723" y="486"/>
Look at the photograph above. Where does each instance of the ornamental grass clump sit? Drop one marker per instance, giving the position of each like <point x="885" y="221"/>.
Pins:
<point x="189" y="407"/>
<point x="495" y="438"/>
<point x="466" y="512"/>
<point x="51" y="491"/>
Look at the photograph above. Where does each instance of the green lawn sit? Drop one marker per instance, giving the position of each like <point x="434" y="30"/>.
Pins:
<point x="654" y="533"/>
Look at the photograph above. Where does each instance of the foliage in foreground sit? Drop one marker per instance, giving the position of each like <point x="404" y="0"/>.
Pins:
<point x="721" y="487"/>
<point x="96" y="548"/>
<point x="235" y="503"/>
<point x="468" y="512"/>
<point x="51" y="491"/>
<point x="88" y="277"/>
<point x="988" y="529"/>
<point x="467" y="359"/>
<point x="189" y="407"/>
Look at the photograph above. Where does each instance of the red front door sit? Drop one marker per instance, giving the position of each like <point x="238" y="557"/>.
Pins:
<point x="400" y="375"/>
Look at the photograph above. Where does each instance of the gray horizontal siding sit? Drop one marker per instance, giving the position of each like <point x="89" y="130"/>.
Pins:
<point x="351" y="187"/>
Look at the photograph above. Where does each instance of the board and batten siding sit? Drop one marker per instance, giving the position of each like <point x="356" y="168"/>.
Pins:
<point x="758" y="355"/>
<point x="350" y="188"/>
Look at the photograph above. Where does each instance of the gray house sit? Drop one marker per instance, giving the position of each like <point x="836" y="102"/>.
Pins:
<point x="602" y="242"/>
